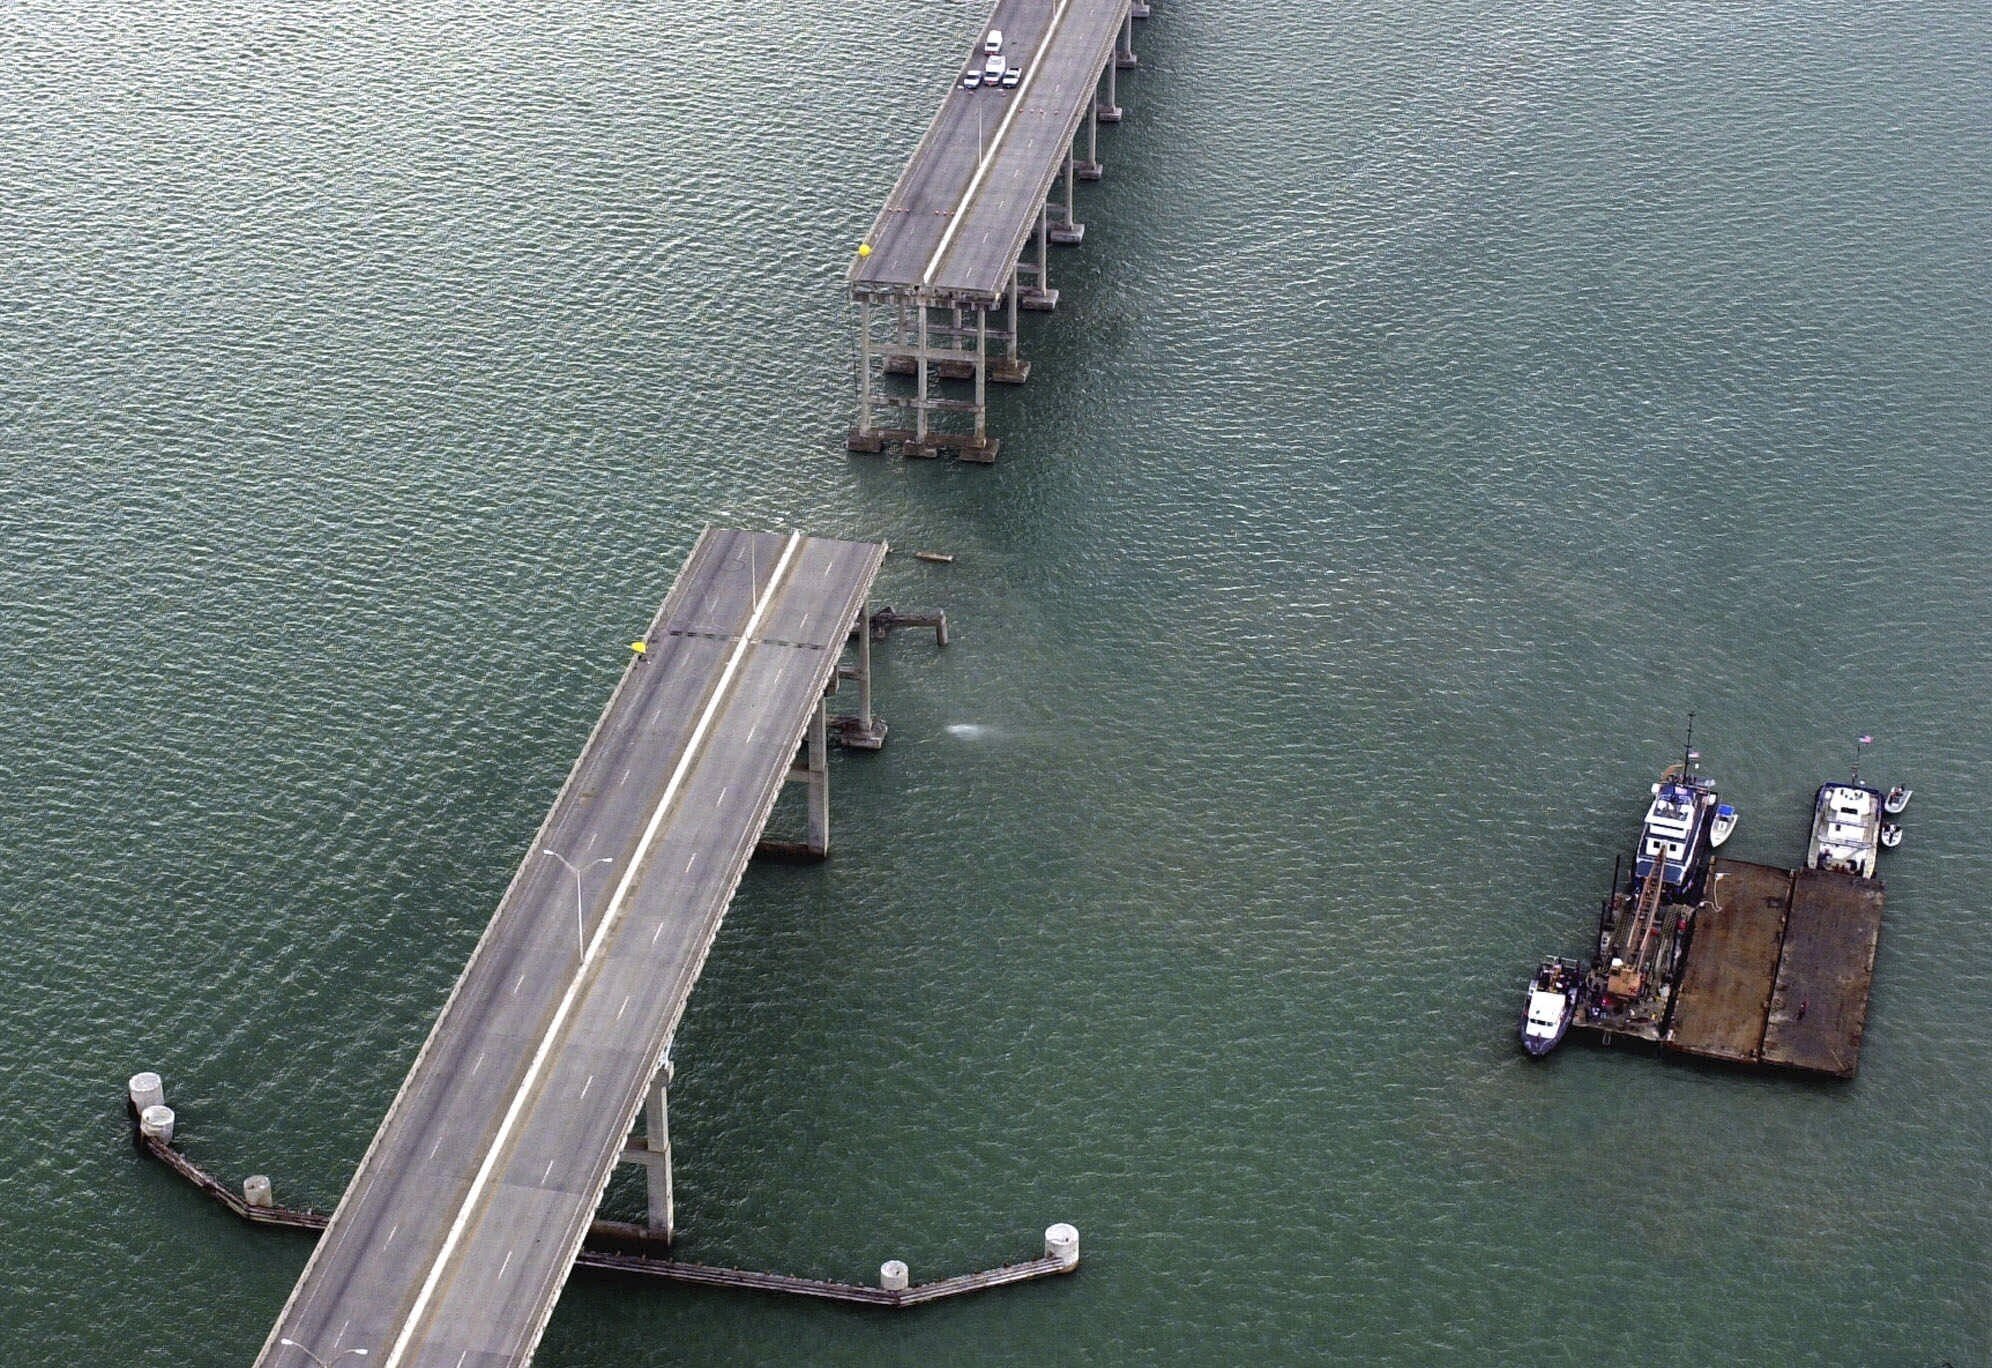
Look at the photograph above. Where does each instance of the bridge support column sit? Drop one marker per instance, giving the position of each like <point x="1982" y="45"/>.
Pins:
<point x="1090" y="169"/>
<point x="1109" y="110"/>
<point x="864" y="672"/>
<point x="1125" y="57"/>
<point x="1004" y="367"/>
<point x="660" y="1214"/>
<point x="812" y="768"/>
<point x="981" y="397"/>
<point x="817" y="749"/>
<point x="1039" y="295"/>
<point x="920" y="381"/>
<point x="864" y="437"/>
<point x="1066" y="232"/>
<point x="861" y="731"/>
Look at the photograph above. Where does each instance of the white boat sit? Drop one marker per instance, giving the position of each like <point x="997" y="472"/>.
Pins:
<point x="1552" y="1002"/>
<point x="1723" y="826"/>
<point x="1891" y="835"/>
<point x="1675" y="834"/>
<point x="1846" y="829"/>
<point x="1897" y="799"/>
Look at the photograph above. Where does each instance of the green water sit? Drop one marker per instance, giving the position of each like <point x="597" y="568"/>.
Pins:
<point x="1445" y="401"/>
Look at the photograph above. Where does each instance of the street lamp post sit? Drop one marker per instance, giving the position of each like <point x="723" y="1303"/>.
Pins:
<point x="580" y="927"/>
<point x="291" y="1343"/>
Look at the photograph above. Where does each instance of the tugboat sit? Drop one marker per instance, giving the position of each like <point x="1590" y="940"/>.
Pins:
<point x="1678" y="833"/>
<point x="1897" y="799"/>
<point x="1846" y="824"/>
<point x="1552" y="1002"/>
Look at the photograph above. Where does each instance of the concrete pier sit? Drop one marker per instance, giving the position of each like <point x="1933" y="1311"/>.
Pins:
<point x="964" y="241"/>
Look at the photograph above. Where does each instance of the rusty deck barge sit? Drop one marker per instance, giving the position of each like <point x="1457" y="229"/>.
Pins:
<point x="1776" y="971"/>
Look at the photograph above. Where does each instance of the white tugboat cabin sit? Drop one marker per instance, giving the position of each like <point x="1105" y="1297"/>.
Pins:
<point x="1846" y="829"/>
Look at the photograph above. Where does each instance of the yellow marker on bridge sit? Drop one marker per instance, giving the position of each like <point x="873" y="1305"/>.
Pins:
<point x="864" y="249"/>
<point x="638" y="647"/>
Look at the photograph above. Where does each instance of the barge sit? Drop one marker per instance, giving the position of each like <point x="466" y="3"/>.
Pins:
<point x="1725" y="959"/>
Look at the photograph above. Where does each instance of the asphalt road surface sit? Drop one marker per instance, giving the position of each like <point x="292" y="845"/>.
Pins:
<point x="455" y="1237"/>
<point x="969" y="196"/>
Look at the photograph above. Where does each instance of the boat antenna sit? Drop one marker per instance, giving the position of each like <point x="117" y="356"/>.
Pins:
<point x="1688" y="749"/>
<point x="1864" y="739"/>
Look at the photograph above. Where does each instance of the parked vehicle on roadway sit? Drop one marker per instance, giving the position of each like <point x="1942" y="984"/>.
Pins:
<point x="993" y="44"/>
<point x="971" y="78"/>
<point x="1012" y="77"/>
<point x="992" y="71"/>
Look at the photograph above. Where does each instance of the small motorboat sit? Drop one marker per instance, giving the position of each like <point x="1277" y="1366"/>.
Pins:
<point x="1552" y="1002"/>
<point x="1897" y="799"/>
<point x="1891" y="835"/>
<point x="1723" y="826"/>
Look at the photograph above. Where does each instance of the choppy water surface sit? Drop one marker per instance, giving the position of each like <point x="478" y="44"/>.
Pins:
<point x="1446" y="399"/>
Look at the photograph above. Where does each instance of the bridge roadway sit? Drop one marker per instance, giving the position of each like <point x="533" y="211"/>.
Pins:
<point x="970" y="196"/>
<point x="453" y="1240"/>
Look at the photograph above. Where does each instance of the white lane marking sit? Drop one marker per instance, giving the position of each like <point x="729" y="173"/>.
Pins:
<point x="624" y="1008"/>
<point x="589" y="1084"/>
<point x="593" y="837"/>
<point x="438" y="1145"/>
<point x="461" y="1357"/>
<point x="516" y="982"/>
<point x="689" y="863"/>
<point x="623" y="780"/>
<point x="475" y="1193"/>
<point x="342" y="1331"/>
<point x="503" y="1266"/>
<point x="995" y="143"/>
<point x="546" y="1173"/>
<point x="722" y="794"/>
<point x="658" y="932"/>
<point x="479" y="1064"/>
<point x="390" y="1236"/>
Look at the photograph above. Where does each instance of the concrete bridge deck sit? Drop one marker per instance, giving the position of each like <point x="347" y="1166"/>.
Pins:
<point x="456" y="1234"/>
<point x="940" y="278"/>
<point x="974" y="190"/>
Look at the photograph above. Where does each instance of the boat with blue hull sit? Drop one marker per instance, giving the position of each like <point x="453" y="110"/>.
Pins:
<point x="1678" y="834"/>
<point x="1551" y="1004"/>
